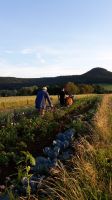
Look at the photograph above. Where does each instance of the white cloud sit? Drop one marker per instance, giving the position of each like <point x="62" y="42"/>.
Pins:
<point x="27" y="51"/>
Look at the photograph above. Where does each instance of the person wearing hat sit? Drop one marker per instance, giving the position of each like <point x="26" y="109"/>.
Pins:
<point x="41" y="99"/>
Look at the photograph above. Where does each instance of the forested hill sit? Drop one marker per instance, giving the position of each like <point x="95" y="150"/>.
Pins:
<point x="96" y="75"/>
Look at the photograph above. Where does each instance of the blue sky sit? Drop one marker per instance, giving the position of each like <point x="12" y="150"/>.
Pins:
<point x="40" y="38"/>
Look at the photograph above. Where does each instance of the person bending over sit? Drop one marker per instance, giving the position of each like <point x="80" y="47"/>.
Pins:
<point x="41" y="99"/>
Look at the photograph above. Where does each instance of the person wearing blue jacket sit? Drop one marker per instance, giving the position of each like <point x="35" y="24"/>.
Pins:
<point x="41" y="100"/>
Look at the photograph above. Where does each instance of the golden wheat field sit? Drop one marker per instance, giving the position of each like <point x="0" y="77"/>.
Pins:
<point x="26" y="101"/>
<point x="20" y="101"/>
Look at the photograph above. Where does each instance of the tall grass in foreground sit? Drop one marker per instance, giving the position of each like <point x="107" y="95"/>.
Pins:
<point x="88" y="176"/>
<point x="103" y="119"/>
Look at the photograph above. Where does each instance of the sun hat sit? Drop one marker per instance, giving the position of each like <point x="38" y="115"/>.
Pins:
<point x="44" y="88"/>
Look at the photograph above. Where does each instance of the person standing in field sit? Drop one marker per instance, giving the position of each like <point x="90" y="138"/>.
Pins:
<point x="41" y="99"/>
<point x="62" y="97"/>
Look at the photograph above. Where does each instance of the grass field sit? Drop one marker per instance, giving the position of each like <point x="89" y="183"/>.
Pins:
<point x="107" y="87"/>
<point x="27" y="101"/>
<point x="20" y="101"/>
<point x="13" y="102"/>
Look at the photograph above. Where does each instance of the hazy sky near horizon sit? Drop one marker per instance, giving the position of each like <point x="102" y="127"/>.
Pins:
<point x="40" y="38"/>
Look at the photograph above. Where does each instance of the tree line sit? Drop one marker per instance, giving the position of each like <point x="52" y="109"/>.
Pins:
<point x="70" y="88"/>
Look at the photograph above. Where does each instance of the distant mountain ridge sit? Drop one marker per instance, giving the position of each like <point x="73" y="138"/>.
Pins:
<point x="98" y="71"/>
<point x="94" y="76"/>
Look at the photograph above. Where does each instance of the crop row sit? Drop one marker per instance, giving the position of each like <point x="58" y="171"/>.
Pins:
<point x="26" y="131"/>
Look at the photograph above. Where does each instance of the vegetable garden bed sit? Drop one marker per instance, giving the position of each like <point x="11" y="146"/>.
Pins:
<point x="26" y="131"/>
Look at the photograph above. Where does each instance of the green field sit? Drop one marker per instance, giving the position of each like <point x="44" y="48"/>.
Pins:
<point x="107" y="87"/>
